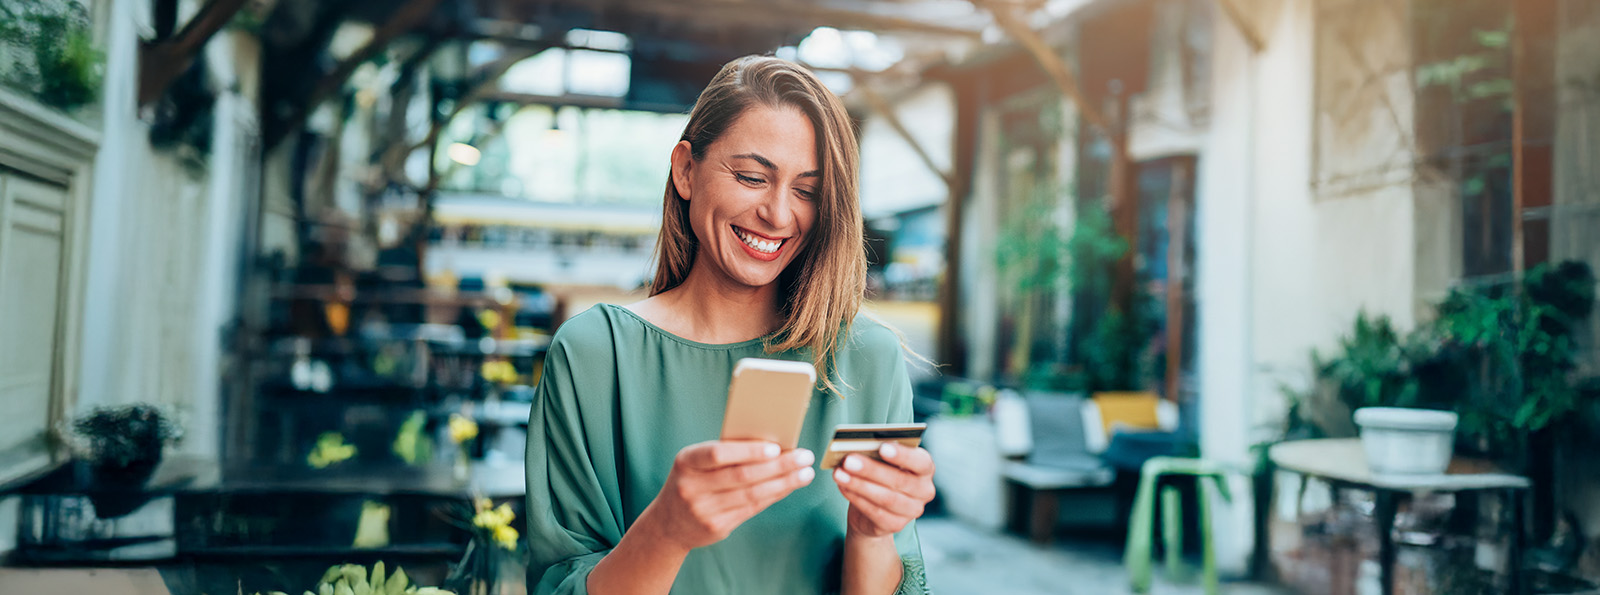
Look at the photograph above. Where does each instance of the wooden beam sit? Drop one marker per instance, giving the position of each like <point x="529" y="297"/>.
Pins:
<point x="484" y="82"/>
<point x="792" y="14"/>
<point x="1246" y="28"/>
<point x="1053" y="65"/>
<point x="406" y="18"/>
<point x="878" y="104"/>
<point x="1533" y="128"/>
<point x="1178" y="213"/>
<point x="952" y="351"/>
<point x="163" y="61"/>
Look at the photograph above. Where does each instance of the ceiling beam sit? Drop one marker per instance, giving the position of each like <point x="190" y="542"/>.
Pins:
<point x="161" y="62"/>
<point x="877" y="103"/>
<point x="1050" y="61"/>
<point x="484" y="81"/>
<point x="1246" y="28"/>
<point x="789" y="14"/>
<point x="405" y="19"/>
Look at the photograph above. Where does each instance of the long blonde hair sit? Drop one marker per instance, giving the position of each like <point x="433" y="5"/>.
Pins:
<point x="822" y="289"/>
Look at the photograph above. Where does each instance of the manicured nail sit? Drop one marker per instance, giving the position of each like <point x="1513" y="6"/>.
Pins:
<point x="772" y="450"/>
<point x="888" y="451"/>
<point x="806" y="475"/>
<point x="840" y="476"/>
<point x="804" y="457"/>
<point x="852" y="463"/>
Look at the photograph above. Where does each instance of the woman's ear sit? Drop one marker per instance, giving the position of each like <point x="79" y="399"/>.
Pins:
<point x="682" y="160"/>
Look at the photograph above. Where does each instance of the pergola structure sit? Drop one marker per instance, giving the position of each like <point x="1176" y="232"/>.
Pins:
<point x="674" y="48"/>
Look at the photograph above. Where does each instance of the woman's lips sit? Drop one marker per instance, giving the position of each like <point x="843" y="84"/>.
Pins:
<point x="761" y="247"/>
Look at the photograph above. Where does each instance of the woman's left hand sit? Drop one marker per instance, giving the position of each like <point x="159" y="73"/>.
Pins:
<point x="886" y="496"/>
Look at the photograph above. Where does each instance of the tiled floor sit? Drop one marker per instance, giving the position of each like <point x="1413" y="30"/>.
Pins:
<point x="966" y="561"/>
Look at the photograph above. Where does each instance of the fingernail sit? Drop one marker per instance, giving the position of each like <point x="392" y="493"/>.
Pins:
<point x="888" y="451"/>
<point x="852" y="463"/>
<point x="840" y="476"/>
<point x="806" y="475"/>
<point x="804" y="457"/>
<point x="772" y="450"/>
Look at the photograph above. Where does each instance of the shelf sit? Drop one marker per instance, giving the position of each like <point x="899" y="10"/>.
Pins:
<point x="448" y="551"/>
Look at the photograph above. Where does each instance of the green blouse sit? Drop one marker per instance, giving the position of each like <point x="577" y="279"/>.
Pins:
<point x="619" y="397"/>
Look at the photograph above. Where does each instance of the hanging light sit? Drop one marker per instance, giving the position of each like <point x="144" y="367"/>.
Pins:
<point x="464" y="154"/>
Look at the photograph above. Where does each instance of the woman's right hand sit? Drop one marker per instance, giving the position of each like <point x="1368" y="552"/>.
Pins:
<point x="716" y="486"/>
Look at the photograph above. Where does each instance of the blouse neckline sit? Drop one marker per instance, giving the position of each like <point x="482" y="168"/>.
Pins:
<point x="758" y="341"/>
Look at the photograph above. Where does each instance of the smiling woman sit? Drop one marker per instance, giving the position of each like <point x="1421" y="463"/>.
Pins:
<point x="760" y="255"/>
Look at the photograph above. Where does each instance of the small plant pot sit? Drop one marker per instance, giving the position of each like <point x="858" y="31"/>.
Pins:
<point x="1401" y="441"/>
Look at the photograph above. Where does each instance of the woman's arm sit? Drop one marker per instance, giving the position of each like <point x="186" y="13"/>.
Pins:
<point x="712" y="489"/>
<point x="645" y="561"/>
<point x="871" y="564"/>
<point x="885" y="498"/>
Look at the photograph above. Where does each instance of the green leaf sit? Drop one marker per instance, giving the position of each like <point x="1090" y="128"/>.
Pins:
<point x="1493" y="39"/>
<point x="397" y="582"/>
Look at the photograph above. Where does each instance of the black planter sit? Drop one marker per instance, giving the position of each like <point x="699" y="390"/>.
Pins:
<point x="118" y="490"/>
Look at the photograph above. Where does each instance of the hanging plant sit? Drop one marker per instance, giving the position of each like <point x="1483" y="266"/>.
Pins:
<point x="51" y="52"/>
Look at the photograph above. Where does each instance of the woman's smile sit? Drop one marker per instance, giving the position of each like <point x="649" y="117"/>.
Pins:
<point x="762" y="247"/>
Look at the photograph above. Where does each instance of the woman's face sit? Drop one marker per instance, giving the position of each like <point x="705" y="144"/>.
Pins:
<point x="753" y="197"/>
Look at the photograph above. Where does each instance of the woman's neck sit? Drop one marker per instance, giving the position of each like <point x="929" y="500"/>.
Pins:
<point x="710" y="308"/>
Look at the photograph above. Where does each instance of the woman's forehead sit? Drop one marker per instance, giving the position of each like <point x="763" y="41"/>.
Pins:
<point x="781" y="138"/>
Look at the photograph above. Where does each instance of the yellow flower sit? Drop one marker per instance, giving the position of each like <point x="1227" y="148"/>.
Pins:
<point x="506" y="537"/>
<point x="462" y="429"/>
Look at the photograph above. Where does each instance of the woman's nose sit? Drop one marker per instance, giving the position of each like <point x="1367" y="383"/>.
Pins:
<point x="778" y="208"/>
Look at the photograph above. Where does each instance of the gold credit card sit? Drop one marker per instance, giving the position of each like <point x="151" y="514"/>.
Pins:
<point x="866" y="439"/>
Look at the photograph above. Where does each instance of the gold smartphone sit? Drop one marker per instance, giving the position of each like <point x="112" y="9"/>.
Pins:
<point x="767" y="400"/>
<point x="866" y="439"/>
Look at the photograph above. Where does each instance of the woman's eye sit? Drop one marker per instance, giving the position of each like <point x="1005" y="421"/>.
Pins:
<point x="751" y="180"/>
<point x="806" y="194"/>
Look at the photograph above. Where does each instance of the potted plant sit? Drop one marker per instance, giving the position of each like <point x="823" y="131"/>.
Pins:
<point x="123" y="444"/>
<point x="119" y="448"/>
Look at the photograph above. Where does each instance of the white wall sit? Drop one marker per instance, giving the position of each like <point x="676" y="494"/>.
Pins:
<point x="1256" y="265"/>
<point x="164" y="243"/>
<point x="893" y="177"/>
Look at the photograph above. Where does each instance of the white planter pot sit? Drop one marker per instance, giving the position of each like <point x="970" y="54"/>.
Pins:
<point x="1406" y="441"/>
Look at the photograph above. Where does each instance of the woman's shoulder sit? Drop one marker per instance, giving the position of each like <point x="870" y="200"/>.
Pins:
<point x="590" y="333"/>
<point x="870" y="340"/>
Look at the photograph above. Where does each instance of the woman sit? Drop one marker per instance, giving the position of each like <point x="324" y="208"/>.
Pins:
<point x="760" y="255"/>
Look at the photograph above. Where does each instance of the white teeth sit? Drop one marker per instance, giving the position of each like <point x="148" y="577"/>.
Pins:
<point x="763" y="246"/>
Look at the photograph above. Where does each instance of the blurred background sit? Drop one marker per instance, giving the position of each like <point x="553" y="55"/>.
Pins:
<point x="277" y="277"/>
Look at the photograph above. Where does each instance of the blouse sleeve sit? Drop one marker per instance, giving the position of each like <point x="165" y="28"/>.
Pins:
<point x="571" y="526"/>
<point x="913" y="579"/>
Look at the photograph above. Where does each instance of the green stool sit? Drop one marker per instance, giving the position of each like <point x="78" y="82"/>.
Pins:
<point x="1137" y="556"/>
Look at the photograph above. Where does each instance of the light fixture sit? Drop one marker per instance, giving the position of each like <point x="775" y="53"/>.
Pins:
<point x="464" y="154"/>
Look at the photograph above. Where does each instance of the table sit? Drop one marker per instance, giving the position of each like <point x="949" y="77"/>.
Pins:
<point x="1343" y="463"/>
<point x="194" y="493"/>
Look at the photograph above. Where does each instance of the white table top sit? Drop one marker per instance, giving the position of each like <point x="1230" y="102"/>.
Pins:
<point x="1343" y="460"/>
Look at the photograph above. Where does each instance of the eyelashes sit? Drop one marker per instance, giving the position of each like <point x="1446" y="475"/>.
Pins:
<point x="754" y="181"/>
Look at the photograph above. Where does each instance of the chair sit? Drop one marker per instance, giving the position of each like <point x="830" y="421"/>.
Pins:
<point x="1059" y="460"/>
<point x="1137" y="556"/>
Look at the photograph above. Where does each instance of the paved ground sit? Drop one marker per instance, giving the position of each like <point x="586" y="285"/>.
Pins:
<point x="966" y="561"/>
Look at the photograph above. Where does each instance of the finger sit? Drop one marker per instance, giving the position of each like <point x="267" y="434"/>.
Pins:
<point x="745" y="475"/>
<point x="717" y="454"/>
<point x="911" y="458"/>
<point x="879" y="516"/>
<point x="876" y="494"/>
<point x="890" y="476"/>
<point x="756" y="498"/>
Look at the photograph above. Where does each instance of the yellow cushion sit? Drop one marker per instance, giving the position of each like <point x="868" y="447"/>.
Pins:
<point x="1128" y="409"/>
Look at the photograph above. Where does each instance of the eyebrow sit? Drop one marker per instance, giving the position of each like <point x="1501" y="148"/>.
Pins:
<point x="767" y="163"/>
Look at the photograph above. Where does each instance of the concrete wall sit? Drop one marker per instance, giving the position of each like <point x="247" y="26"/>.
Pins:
<point x="893" y="178"/>
<point x="165" y="241"/>
<point x="1575" y="234"/>
<point x="1258" y="258"/>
